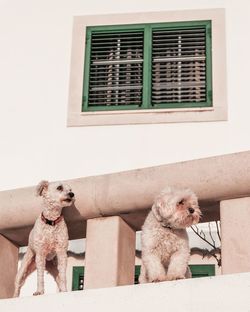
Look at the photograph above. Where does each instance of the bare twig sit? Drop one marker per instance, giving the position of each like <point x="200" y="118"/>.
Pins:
<point x="206" y="252"/>
<point x="218" y="230"/>
<point x="210" y="234"/>
<point x="203" y="238"/>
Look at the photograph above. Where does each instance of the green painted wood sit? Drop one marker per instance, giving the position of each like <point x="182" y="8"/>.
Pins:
<point x="147" y="64"/>
<point x="197" y="270"/>
<point x="209" y="63"/>
<point x="202" y="270"/>
<point x="113" y="107"/>
<point x="78" y="273"/>
<point x="86" y="70"/>
<point x="137" y="274"/>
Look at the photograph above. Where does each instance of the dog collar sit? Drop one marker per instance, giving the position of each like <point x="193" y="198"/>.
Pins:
<point x="166" y="226"/>
<point x="51" y="222"/>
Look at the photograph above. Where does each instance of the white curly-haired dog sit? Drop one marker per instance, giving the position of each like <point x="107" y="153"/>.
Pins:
<point x="165" y="247"/>
<point x="48" y="240"/>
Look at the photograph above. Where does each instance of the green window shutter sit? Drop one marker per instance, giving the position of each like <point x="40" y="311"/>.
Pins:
<point x="166" y="65"/>
<point x="115" y="69"/>
<point x="202" y="270"/>
<point x="179" y="57"/>
<point x="78" y="278"/>
<point x="197" y="270"/>
<point x="137" y="274"/>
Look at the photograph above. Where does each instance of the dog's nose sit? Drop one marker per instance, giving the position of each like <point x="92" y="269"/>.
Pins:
<point x="71" y="194"/>
<point x="191" y="210"/>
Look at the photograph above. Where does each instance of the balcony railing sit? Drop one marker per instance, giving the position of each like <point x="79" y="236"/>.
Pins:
<point x="114" y="206"/>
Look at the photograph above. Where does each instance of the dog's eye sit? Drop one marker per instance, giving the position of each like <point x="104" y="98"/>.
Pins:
<point x="60" y="188"/>
<point x="181" y="202"/>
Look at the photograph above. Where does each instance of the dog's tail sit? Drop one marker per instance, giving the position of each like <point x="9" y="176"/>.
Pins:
<point x="27" y="267"/>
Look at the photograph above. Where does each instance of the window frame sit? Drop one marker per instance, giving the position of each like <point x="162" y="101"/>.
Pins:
<point x="137" y="274"/>
<point x="217" y="112"/>
<point x="89" y="30"/>
<point x="197" y="270"/>
<point x="77" y="271"/>
<point x="147" y="64"/>
<point x="202" y="270"/>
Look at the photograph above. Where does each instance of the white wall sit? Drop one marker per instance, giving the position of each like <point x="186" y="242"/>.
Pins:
<point x="224" y="293"/>
<point x="35" y="47"/>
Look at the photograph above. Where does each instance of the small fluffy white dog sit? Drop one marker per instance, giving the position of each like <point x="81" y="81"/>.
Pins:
<point x="48" y="240"/>
<point x="165" y="247"/>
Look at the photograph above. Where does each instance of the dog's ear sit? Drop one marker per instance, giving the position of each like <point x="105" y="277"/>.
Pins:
<point x="41" y="187"/>
<point x="156" y="209"/>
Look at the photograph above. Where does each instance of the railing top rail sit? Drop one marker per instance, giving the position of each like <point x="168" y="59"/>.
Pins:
<point x="131" y="192"/>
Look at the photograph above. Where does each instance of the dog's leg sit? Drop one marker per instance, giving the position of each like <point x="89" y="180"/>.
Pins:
<point x="188" y="273"/>
<point x="51" y="267"/>
<point x="178" y="265"/>
<point x="62" y="265"/>
<point x="40" y="265"/>
<point x="27" y="267"/>
<point x="143" y="274"/>
<point x="155" y="270"/>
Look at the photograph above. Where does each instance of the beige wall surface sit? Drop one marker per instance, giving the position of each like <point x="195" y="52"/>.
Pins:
<point x="36" y="38"/>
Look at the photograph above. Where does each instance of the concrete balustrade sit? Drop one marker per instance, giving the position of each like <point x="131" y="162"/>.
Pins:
<point x="115" y="206"/>
<point x="8" y="267"/>
<point x="235" y="228"/>
<point x="110" y="253"/>
<point x="131" y="194"/>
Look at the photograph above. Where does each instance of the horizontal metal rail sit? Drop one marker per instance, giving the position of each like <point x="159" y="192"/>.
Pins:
<point x="110" y="62"/>
<point x="179" y="59"/>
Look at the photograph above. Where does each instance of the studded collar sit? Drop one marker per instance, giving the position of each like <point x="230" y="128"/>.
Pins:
<point x="51" y="222"/>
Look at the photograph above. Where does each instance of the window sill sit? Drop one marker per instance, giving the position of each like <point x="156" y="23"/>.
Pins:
<point x="147" y="116"/>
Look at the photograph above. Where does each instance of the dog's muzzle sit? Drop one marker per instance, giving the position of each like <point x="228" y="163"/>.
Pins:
<point x="71" y="194"/>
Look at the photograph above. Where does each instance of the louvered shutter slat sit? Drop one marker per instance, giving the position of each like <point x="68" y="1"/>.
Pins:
<point x="178" y="66"/>
<point x="116" y="69"/>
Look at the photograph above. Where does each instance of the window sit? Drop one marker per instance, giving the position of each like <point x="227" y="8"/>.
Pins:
<point x="197" y="270"/>
<point x="166" y="65"/>
<point x="144" y="68"/>
<point x="202" y="270"/>
<point x="137" y="274"/>
<point x="78" y="278"/>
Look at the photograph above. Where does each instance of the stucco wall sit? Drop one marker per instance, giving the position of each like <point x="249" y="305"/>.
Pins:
<point x="35" y="51"/>
<point x="223" y="293"/>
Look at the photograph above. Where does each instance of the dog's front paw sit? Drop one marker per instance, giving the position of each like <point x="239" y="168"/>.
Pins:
<point x="158" y="279"/>
<point x="173" y="277"/>
<point x="38" y="293"/>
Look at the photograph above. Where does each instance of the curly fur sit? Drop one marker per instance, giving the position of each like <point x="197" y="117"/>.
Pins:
<point x="48" y="244"/>
<point x="165" y="248"/>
